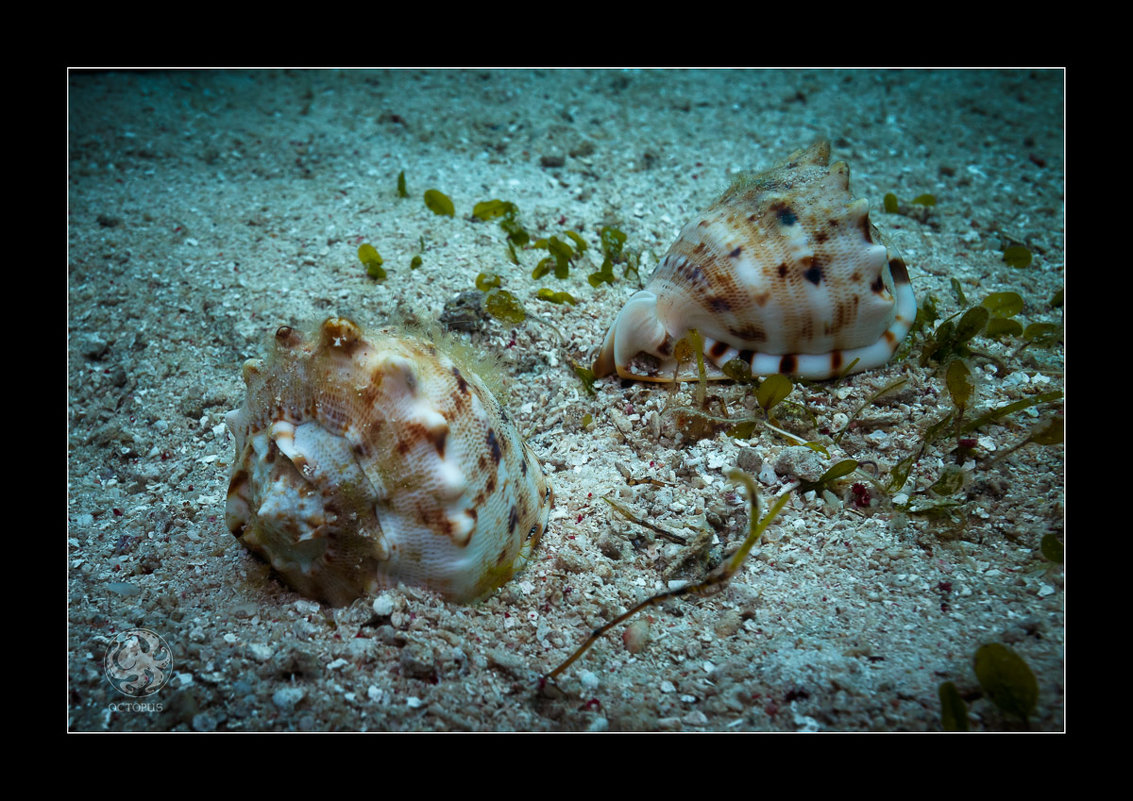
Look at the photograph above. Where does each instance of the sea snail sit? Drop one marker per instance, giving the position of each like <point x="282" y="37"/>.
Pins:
<point x="368" y="459"/>
<point x="784" y="271"/>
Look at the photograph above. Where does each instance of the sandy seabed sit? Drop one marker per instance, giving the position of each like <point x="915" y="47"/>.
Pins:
<point x="208" y="208"/>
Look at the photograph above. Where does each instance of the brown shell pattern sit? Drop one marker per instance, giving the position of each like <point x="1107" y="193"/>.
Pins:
<point x="784" y="271"/>
<point x="368" y="459"/>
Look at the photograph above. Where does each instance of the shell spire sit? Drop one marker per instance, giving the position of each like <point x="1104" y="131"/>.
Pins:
<point x="784" y="272"/>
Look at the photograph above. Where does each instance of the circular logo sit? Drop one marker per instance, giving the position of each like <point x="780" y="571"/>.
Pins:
<point x="139" y="662"/>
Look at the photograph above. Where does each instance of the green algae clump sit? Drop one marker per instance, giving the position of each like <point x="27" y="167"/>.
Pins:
<point x="439" y="203"/>
<point x="505" y="307"/>
<point x="372" y="261"/>
<point x="1006" y="679"/>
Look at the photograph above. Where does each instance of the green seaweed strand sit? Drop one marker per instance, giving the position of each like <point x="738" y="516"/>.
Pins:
<point x="717" y="578"/>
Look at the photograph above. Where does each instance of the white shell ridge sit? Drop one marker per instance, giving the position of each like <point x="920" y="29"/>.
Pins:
<point x="784" y="271"/>
<point x="368" y="459"/>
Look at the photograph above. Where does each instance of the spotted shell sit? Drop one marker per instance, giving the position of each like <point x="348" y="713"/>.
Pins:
<point x="784" y="272"/>
<point x="368" y="459"/>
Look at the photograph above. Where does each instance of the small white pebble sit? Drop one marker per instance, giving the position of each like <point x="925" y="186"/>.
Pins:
<point x="636" y="636"/>
<point x="383" y="606"/>
<point x="695" y="718"/>
<point x="288" y="697"/>
<point x="807" y="723"/>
